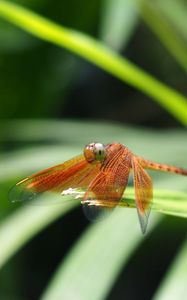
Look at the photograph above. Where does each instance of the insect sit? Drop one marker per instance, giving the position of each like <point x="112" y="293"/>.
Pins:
<point x="103" y="171"/>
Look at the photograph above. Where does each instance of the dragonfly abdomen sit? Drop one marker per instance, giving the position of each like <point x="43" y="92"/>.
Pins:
<point x="147" y="164"/>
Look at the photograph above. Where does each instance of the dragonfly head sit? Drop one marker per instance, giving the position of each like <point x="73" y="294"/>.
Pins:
<point x="95" y="152"/>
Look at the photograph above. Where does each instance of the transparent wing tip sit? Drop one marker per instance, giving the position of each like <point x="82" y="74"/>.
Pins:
<point x="95" y="213"/>
<point x="20" y="194"/>
<point x="143" y="219"/>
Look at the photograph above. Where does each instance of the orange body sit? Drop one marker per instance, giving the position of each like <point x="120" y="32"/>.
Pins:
<point x="103" y="171"/>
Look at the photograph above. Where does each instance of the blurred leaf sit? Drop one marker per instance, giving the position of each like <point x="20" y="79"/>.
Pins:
<point x="118" y="21"/>
<point x="25" y="223"/>
<point x="173" y="285"/>
<point x="13" y="40"/>
<point x="176" y="12"/>
<point x="70" y="131"/>
<point x="98" y="54"/>
<point x="69" y="141"/>
<point x="90" y="269"/>
<point x="167" y="33"/>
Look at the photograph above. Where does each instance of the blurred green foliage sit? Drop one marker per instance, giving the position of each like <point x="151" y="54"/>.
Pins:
<point x="39" y="82"/>
<point x="95" y="52"/>
<point x="40" y="74"/>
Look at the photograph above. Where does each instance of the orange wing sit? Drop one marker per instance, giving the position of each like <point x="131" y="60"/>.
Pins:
<point x="106" y="189"/>
<point x="143" y="192"/>
<point x="74" y="173"/>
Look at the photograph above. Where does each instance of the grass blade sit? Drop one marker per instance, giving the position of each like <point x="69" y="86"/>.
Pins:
<point x="177" y="14"/>
<point x="97" y="53"/>
<point x="170" y="38"/>
<point x="25" y="223"/>
<point x="174" y="284"/>
<point x="119" y="20"/>
<point x="166" y="202"/>
<point x="110" y="247"/>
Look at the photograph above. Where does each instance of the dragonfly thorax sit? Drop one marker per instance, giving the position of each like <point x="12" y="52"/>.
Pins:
<point x="95" y="152"/>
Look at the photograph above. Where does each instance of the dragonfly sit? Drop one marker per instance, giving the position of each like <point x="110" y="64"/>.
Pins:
<point x="103" y="172"/>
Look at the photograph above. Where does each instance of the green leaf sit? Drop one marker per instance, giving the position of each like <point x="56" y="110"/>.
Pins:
<point x="170" y="38"/>
<point x="90" y="269"/>
<point x="173" y="285"/>
<point x="118" y="22"/>
<point x="100" y="55"/>
<point x="176" y="12"/>
<point x="25" y="223"/>
<point x="166" y="202"/>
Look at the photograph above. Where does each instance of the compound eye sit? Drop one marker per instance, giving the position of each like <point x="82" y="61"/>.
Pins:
<point x="100" y="152"/>
<point x="95" y="152"/>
